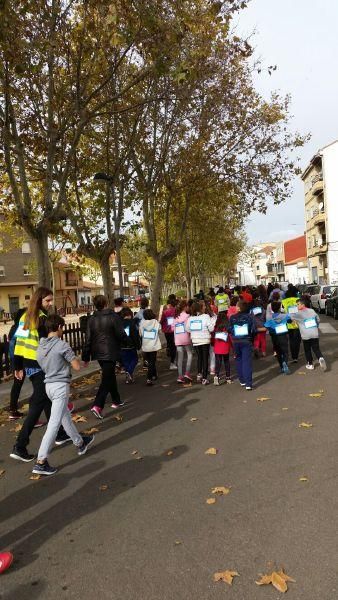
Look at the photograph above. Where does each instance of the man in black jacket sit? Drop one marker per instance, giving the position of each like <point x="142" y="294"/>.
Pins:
<point x="105" y="333"/>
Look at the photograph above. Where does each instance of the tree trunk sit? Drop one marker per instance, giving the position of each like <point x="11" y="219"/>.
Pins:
<point x="119" y="264"/>
<point x="107" y="280"/>
<point x="44" y="267"/>
<point x="188" y="277"/>
<point x="157" y="286"/>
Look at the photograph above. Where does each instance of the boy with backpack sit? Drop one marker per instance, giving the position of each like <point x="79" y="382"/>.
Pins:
<point x="308" y="322"/>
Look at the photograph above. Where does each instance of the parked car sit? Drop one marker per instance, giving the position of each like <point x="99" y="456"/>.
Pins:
<point x="302" y="287"/>
<point x="319" y="295"/>
<point x="331" y="306"/>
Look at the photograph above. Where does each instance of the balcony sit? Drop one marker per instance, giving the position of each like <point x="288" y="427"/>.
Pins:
<point x="318" y="217"/>
<point x="317" y="184"/>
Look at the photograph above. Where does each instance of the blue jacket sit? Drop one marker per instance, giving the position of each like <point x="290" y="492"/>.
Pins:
<point x="277" y="319"/>
<point x="244" y="321"/>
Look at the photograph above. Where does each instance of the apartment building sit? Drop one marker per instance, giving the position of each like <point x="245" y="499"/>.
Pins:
<point x="321" y="215"/>
<point x="18" y="278"/>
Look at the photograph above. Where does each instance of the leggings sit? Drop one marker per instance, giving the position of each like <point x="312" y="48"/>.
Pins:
<point x="223" y="358"/>
<point x="181" y="350"/>
<point x="171" y="348"/>
<point x="203" y="360"/>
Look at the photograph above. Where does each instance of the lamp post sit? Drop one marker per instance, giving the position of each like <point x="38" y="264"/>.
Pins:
<point x="117" y="220"/>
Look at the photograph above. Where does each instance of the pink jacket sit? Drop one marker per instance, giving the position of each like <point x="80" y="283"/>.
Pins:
<point x="183" y="338"/>
<point x="232" y="310"/>
<point x="168" y="312"/>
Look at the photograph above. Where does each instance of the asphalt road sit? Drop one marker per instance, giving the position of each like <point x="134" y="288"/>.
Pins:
<point x="149" y="534"/>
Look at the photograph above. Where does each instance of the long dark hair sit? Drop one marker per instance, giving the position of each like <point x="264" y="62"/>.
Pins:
<point x="196" y="309"/>
<point x="34" y="307"/>
<point x="180" y="307"/>
<point x="222" y="321"/>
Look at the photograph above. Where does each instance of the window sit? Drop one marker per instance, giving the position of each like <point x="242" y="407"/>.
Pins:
<point x="88" y="300"/>
<point x="27" y="297"/>
<point x="257" y="267"/>
<point x="26" y="248"/>
<point x="27" y="270"/>
<point x="126" y="279"/>
<point x="2" y="271"/>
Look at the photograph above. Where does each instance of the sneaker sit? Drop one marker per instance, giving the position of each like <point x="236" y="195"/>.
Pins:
<point x="21" y="455"/>
<point x="173" y="367"/>
<point x="71" y="406"/>
<point x="242" y="384"/>
<point x="216" y="380"/>
<point x="188" y="377"/>
<point x="129" y="378"/>
<point x="248" y="387"/>
<point x="15" y="414"/>
<point x="286" y="369"/>
<point x="149" y="382"/>
<point x="39" y="424"/>
<point x="199" y="378"/>
<point x="87" y="441"/>
<point x="228" y="380"/>
<point x="180" y="380"/>
<point x="117" y="404"/>
<point x="212" y="373"/>
<point x="264" y="354"/>
<point x="97" y="412"/>
<point x="62" y="439"/>
<point x="6" y="559"/>
<point x="310" y="367"/>
<point x="322" y="363"/>
<point x="44" y="469"/>
<point x="205" y="381"/>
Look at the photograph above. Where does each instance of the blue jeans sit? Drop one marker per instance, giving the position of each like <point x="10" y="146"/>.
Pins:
<point x="129" y="360"/>
<point x="243" y="353"/>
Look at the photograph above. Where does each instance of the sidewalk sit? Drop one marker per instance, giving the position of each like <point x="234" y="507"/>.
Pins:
<point x="26" y="392"/>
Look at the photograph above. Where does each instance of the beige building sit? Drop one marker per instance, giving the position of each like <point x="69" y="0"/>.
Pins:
<point x="17" y="272"/>
<point x="315" y="220"/>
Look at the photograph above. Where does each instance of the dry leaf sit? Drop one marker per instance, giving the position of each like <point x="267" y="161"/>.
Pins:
<point x="305" y="425"/>
<point x="134" y="452"/>
<point x="278" y="579"/>
<point x="17" y="428"/>
<point x="103" y="488"/>
<point x="264" y="580"/>
<point x="89" y="398"/>
<point x="35" y="477"/>
<point x="139" y="457"/>
<point x="169" y="453"/>
<point x="177" y="543"/>
<point x="90" y="431"/>
<point x="303" y="478"/>
<point x="2" y="472"/>
<point x="301" y="373"/>
<point x="285" y="576"/>
<point x="79" y="418"/>
<point x="226" y="576"/>
<point x="118" y="418"/>
<point x="222" y="491"/>
<point x="165" y="384"/>
<point x="285" y="408"/>
<point x="316" y="395"/>
<point x="211" y="501"/>
<point x="187" y="385"/>
<point x="193" y="419"/>
<point x="211" y="451"/>
<point x="25" y="407"/>
<point x="263" y="399"/>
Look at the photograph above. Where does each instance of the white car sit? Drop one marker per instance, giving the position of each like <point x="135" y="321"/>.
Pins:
<point x="319" y="294"/>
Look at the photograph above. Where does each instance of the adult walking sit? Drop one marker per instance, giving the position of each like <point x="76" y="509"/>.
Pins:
<point x="105" y="333"/>
<point x="30" y="330"/>
<point x="290" y="306"/>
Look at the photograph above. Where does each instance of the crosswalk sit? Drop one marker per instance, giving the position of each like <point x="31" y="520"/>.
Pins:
<point x="327" y="328"/>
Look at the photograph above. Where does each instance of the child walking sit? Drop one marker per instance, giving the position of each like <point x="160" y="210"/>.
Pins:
<point x="233" y="310"/>
<point x="222" y="345"/>
<point x="55" y="358"/>
<point x="242" y="328"/>
<point x="279" y="332"/>
<point x="167" y="319"/>
<point x="308" y="322"/>
<point x="182" y="342"/>
<point x="151" y="343"/>
<point x="259" y="314"/>
<point x="200" y="326"/>
<point x="130" y="347"/>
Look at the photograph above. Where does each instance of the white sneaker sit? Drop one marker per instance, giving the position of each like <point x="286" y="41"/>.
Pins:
<point x="199" y="378"/>
<point x="248" y="387"/>
<point x="173" y="367"/>
<point x="310" y="367"/>
<point x="322" y="363"/>
<point x="216" y="380"/>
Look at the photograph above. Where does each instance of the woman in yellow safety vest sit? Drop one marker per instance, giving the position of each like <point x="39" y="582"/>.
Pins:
<point x="30" y="329"/>
<point x="222" y="300"/>
<point x="290" y="306"/>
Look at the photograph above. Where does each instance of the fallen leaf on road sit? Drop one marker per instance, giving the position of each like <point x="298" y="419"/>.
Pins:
<point x="305" y="425"/>
<point x="91" y="430"/>
<point x="316" y="395"/>
<point x="25" y="408"/>
<point x="2" y="472"/>
<point x="211" y="451"/>
<point x="35" y="477"/>
<point x="169" y="453"/>
<point x="186" y="385"/>
<point x="285" y="408"/>
<point x="278" y="579"/>
<point x="118" y="418"/>
<point x="178" y="543"/>
<point x="139" y="457"/>
<point x="17" y="428"/>
<point x="165" y="384"/>
<point x="222" y="491"/>
<point x="301" y="373"/>
<point x="263" y="399"/>
<point x="134" y="452"/>
<point x="303" y="478"/>
<point x="226" y="576"/>
<point x="79" y="418"/>
<point x="103" y="488"/>
<point x="193" y="419"/>
<point x="211" y="501"/>
<point x="89" y="398"/>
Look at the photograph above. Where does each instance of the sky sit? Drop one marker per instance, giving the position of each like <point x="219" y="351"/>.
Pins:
<point x="300" y="37"/>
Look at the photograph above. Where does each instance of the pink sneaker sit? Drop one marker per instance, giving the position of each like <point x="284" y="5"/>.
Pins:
<point x="180" y="380"/>
<point x="71" y="406"/>
<point x="188" y="377"/>
<point x="6" y="559"/>
<point x="97" y="412"/>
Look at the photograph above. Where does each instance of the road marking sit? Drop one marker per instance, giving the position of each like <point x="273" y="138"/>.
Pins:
<point x="327" y="328"/>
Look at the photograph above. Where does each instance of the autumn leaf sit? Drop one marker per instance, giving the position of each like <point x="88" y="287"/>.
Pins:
<point x="222" y="491"/>
<point x="316" y="395"/>
<point x="187" y="385"/>
<point x="25" y="408"/>
<point x="226" y="576"/>
<point x="278" y="579"/>
<point x="2" y="472"/>
<point x="91" y="431"/>
<point x="211" y="501"/>
<point x="303" y="478"/>
<point x="264" y="580"/>
<point x="305" y="425"/>
<point x="301" y="373"/>
<point x="193" y="419"/>
<point x="79" y="418"/>
<point x="285" y="408"/>
<point x="35" y="477"/>
<point x="118" y="418"/>
<point x="263" y="399"/>
<point x="89" y="398"/>
<point x="212" y="451"/>
<point x="178" y="543"/>
<point x="139" y="457"/>
<point x="103" y="488"/>
<point x="134" y="452"/>
<point x="169" y="453"/>
<point x="17" y="428"/>
<point x="165" y="384"/>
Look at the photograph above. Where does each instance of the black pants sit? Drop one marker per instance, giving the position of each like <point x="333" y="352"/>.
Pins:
<point x="151" y="361"/>
<point x="15" y="393"/>
<point x="203" y="360"/>
<point x="222" y="358"/>
<point x="294" y="340"/>
<point x="171" y="347"/>
<point x="281" y="345"/>
<point x="311" y="346"/>
<point x="38" y="402"/>
<point x="108" y="384"/>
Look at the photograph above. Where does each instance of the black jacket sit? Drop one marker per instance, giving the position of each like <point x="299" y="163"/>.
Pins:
<point x="104" y="336"/>
<point x="134" y="340"/>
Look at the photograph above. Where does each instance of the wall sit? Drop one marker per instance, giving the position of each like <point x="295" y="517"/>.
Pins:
<point x="330" y="171"/>
<point x="19" y="292"/>
<point x="295" y="248"/>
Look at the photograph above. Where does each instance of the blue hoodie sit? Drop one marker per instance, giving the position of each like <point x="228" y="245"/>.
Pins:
<point x="277" y="321"/>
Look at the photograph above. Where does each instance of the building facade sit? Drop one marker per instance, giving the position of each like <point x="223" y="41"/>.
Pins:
<point x="18" y="278"/>
<point x="296" y="262"/>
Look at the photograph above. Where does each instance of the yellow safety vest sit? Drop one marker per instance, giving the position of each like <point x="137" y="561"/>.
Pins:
<point x="222" y="301"/>
<point x="27" y="340"/>
<point x="287" y="303"/>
